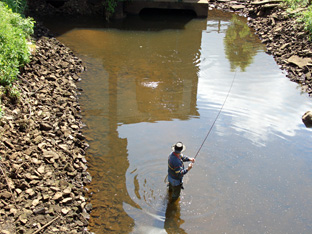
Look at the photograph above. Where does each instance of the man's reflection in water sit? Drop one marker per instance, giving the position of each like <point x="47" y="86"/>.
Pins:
<point x="173" y="220"/>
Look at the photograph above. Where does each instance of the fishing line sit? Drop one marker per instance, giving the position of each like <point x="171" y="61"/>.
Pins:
<point x="228" y="93"/>
<point x="217" y="115"/>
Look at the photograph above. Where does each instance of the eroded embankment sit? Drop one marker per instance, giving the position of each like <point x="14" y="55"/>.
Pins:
<point x="43" y="168"/>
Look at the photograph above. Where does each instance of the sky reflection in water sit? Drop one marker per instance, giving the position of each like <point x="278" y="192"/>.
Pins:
<point x="147" y="89"/>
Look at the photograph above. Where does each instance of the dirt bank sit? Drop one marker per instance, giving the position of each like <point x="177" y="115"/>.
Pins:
<point x="43" y="168"/>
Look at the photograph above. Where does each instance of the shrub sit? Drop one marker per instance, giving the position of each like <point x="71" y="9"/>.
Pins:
<point x="307" y="19"/>
<point x="15" y="31"/>
<point x="110" y="5"/>
<point x="13" y="94"/>
<point x="17" y="6"/>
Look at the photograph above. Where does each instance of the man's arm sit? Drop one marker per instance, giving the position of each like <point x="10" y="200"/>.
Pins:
<point x="180" y="171"/>
<point x="187" y="159"/>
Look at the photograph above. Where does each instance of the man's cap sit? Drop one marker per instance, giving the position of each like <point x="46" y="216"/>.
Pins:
<point x="178" y="147"/>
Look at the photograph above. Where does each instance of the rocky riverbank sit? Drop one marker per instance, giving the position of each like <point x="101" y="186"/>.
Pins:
<point x="42" y="165"/>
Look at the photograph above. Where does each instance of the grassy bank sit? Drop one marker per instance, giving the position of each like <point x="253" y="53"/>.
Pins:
<point x="302" y="10"/>
<point x="15" y="44"/>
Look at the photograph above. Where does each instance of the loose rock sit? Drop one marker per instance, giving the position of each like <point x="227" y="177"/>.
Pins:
<point x="35" y="145"/>
<point x="307" y="119"/>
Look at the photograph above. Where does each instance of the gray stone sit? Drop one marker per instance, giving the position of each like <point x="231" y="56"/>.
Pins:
<point x="307" y="119"/>
<point x="300" y="62"/>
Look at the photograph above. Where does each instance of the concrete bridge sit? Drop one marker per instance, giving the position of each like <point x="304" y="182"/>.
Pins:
<point x="200" y="7"/>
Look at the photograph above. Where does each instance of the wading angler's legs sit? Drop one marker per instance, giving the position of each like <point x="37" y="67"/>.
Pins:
<point x="174" y="192"/>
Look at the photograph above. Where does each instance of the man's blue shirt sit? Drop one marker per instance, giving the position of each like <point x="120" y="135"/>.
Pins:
<point x="176" y="169"/>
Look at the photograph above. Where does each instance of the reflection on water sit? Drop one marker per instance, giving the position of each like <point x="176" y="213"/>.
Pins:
<point x="240" y="44"/>
<point x="146" y="89"/>
<point x="173" y="220"/>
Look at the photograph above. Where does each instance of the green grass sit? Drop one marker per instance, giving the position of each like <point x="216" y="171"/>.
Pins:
<point x="15" y="32"/>
<point x="304" y="13"/>
<point x="294" y="4"/>
<point x="307" y="19"/>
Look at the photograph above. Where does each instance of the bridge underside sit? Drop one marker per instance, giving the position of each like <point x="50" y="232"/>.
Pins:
<point x="135" y="7"/>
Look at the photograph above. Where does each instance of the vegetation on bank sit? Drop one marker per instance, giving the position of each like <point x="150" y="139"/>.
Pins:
<point x="110" y="5"/>
<point x="15" y="44"/>
<point x="302" y="9"/>
<point x="17" y="6"/>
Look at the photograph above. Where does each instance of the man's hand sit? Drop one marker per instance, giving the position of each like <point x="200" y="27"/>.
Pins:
<point x="192" y="160"/>
<point x="190" y="166"/>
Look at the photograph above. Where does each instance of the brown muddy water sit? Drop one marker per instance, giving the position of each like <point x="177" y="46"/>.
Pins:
<point x="153" y="80"/>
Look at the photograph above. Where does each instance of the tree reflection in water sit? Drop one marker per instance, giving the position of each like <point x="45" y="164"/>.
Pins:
<point x="239" y="43"/>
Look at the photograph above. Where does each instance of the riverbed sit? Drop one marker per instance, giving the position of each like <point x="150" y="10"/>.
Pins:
<point x="154" y="80"/>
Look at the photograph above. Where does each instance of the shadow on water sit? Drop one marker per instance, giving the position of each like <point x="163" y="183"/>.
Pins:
<point x="173" y="219"/>
<point x="148" y="20"/>
<point x="166" y="220"/>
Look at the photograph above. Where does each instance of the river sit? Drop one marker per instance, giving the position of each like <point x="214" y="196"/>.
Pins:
<point x="153" y="80"/>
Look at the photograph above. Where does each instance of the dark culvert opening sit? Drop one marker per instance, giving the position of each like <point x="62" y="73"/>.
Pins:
<point x="160" y="19"/>
<point x="168" y="12"/>
<point x="57" y="3"/>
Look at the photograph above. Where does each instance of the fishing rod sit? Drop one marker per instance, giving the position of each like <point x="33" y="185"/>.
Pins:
<point x="228" y="93"/>
<point x="217" y="115"/>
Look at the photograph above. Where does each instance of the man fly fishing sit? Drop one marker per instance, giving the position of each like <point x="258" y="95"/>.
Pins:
<point x="176" y="170"/>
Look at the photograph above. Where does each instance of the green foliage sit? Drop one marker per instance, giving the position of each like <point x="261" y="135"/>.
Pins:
<point x="13" y="93"/>
<point x="17" y="6"/>
<point x="294" y="4"/>
<point x="110" y="5"/>
<point x="302" y="10"/>
<point x="307" y="19"/>
<point x="15" y="31"/>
